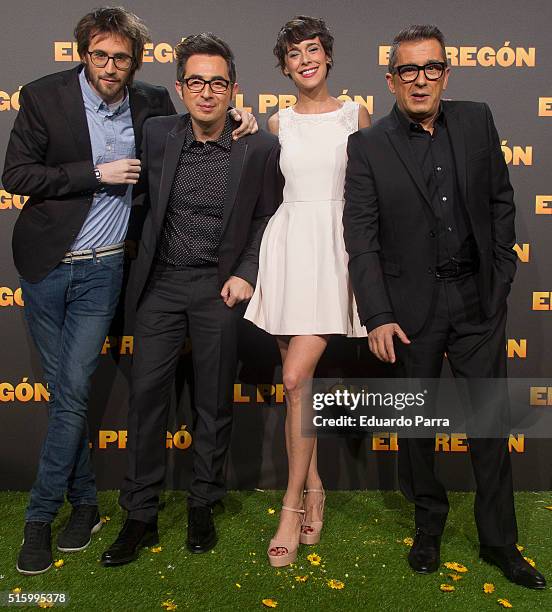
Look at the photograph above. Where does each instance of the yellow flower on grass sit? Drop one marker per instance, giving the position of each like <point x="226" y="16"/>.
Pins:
<point x="270" y="603"/>
<point x="238" y="585"/>
<point x="447" y="588"/>
<point x="408" y="541"/>
<point x="301" y="578"/>
<point x="505" y="603"/>
<point x="45" y="604"/>
<point x="488" y="587"/>
<point x="520" y="547"/>
<point x="530" y="561"/>
<point x="457" y="567"/>
<point x="455" y="577"/>
<point x="336" y="584"/>
<point x="105" y="519"/>
<point x="156" y="549"/>
<point x="59" y="563"/>
<point x="169" y="605"/>
<point x="314" y="559"/>
<point x="16" y="590"/>
<point x="271" y="511"/>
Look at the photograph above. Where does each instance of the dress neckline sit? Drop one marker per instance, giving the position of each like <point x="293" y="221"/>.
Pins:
<point x="292" y="109"/>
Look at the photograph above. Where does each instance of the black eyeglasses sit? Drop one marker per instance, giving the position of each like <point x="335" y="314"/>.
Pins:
<point x="196" y="84"/>
<point x="100" y="59"/>
<point x="433" y="71"/>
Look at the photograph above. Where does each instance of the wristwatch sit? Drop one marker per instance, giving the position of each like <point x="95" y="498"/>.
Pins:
<point x="98" y="174"/>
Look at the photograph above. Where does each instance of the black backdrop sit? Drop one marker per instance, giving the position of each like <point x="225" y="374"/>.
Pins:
<point x="501" y="53"/>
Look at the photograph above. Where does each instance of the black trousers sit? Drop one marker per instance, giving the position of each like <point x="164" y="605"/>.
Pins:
<point x="177" y="303"/>
<point x="475" y="348"/>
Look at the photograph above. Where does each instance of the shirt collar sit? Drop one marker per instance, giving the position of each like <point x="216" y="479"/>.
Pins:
<point x="94" y="100"/>
<point x="224" y="141"/>
<point x="411" y="126"/>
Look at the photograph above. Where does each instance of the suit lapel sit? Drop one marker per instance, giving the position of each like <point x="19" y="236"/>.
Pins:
<point x="71" y="99"/>
<point x="173" y="148"/>
<point x="458" y="144"/>
<point x="139" y="110"/>
<point x="399" y="140"/>
<point x="237" y="160"/>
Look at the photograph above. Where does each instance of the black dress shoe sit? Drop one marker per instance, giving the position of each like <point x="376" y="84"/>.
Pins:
<point x="424" y="556"/>
<point x="201" y="529"/>
<point x="133" y="536"/>
<point x="514" y="566"/>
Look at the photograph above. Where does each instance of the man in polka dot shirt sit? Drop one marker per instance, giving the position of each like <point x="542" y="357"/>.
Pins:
<point x="208" y="198"/>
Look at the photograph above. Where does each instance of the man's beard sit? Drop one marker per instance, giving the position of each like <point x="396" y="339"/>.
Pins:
<point x="107" y="91"/>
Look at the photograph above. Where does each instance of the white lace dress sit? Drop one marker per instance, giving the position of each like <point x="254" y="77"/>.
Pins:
<point x="303" y="284"/>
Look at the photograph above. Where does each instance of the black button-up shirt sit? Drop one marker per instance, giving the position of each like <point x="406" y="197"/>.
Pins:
<point x="193" y="223"/>
<point x="453" y="232"/>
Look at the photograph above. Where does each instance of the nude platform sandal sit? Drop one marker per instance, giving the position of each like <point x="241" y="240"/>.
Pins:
<point x="291" y="555"/>
<point x="310" y="532"/>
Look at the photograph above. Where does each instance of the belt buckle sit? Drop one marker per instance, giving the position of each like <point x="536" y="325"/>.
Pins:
<point x="444" y="274"/>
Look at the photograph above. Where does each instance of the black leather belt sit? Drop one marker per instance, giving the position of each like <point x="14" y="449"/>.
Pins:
<point x="455" y="269"/>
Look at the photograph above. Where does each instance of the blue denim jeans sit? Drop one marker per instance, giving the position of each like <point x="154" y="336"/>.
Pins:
<point x="68" y="314"/>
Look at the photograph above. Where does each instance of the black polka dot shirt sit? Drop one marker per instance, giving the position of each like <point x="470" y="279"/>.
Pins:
<point x="193" y="222"/>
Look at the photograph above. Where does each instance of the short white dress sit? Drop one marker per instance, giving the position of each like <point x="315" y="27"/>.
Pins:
<point x="303" y="283"/>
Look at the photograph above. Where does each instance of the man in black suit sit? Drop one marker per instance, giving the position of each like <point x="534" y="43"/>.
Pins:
<point x="208" y="202"/>
<point x="429" y="228"/>
<point x="73" y="150"/>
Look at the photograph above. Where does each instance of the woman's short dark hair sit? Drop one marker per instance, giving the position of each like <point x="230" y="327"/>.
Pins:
<point x="302" y="28"/>
<point x="203" y="44"/>
<point x="116" y="21"/>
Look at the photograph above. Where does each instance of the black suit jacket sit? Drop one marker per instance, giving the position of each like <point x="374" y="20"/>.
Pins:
<point x="253" y="193"/>
<point x="390" y="225"/>
<point x="49" y="158"/>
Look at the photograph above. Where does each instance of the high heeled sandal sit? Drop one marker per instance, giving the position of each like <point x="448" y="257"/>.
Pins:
<point x="312" y="536"/>
<point x="291" y="555"/>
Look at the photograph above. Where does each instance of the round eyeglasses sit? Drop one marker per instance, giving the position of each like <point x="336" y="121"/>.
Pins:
<point x="196" y="85"/>
<point x="100" y="59"/>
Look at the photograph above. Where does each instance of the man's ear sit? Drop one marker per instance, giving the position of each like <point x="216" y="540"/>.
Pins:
<point x="390" y="82"/>
<point x="446" y="77"/>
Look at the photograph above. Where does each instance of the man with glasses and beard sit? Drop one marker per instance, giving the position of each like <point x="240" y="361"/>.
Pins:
<point x="207" y="201"/>
<point x="73" y="150"/>
<point x="429" y="228"/>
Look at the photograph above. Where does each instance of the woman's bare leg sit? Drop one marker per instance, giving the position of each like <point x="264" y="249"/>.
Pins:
<point x="300" y="356"/>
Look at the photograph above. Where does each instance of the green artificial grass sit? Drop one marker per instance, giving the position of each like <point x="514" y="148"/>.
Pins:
<point x="362" y="546"/>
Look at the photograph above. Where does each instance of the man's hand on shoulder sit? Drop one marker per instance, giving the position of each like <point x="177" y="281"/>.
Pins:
<point x="120" y="172"/>
<point x="380" y="341"/>
<point x="248" y="123"/>
<point x="236" y="290"/>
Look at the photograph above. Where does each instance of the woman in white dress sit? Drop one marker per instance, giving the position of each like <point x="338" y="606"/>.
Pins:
<point x="303" y="294"/>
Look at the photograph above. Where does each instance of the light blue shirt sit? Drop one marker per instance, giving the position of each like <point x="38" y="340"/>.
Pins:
<point x="112" y="138"/>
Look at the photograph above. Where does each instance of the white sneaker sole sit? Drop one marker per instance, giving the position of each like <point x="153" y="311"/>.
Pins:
<point x="29" y="573"/>
<point x="94" y="530"/>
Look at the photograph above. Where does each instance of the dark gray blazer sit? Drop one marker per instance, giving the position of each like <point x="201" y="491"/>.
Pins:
<point x="49" y="158"/>
<point x="390" y="226"/>
<point x="253" y="193"/>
